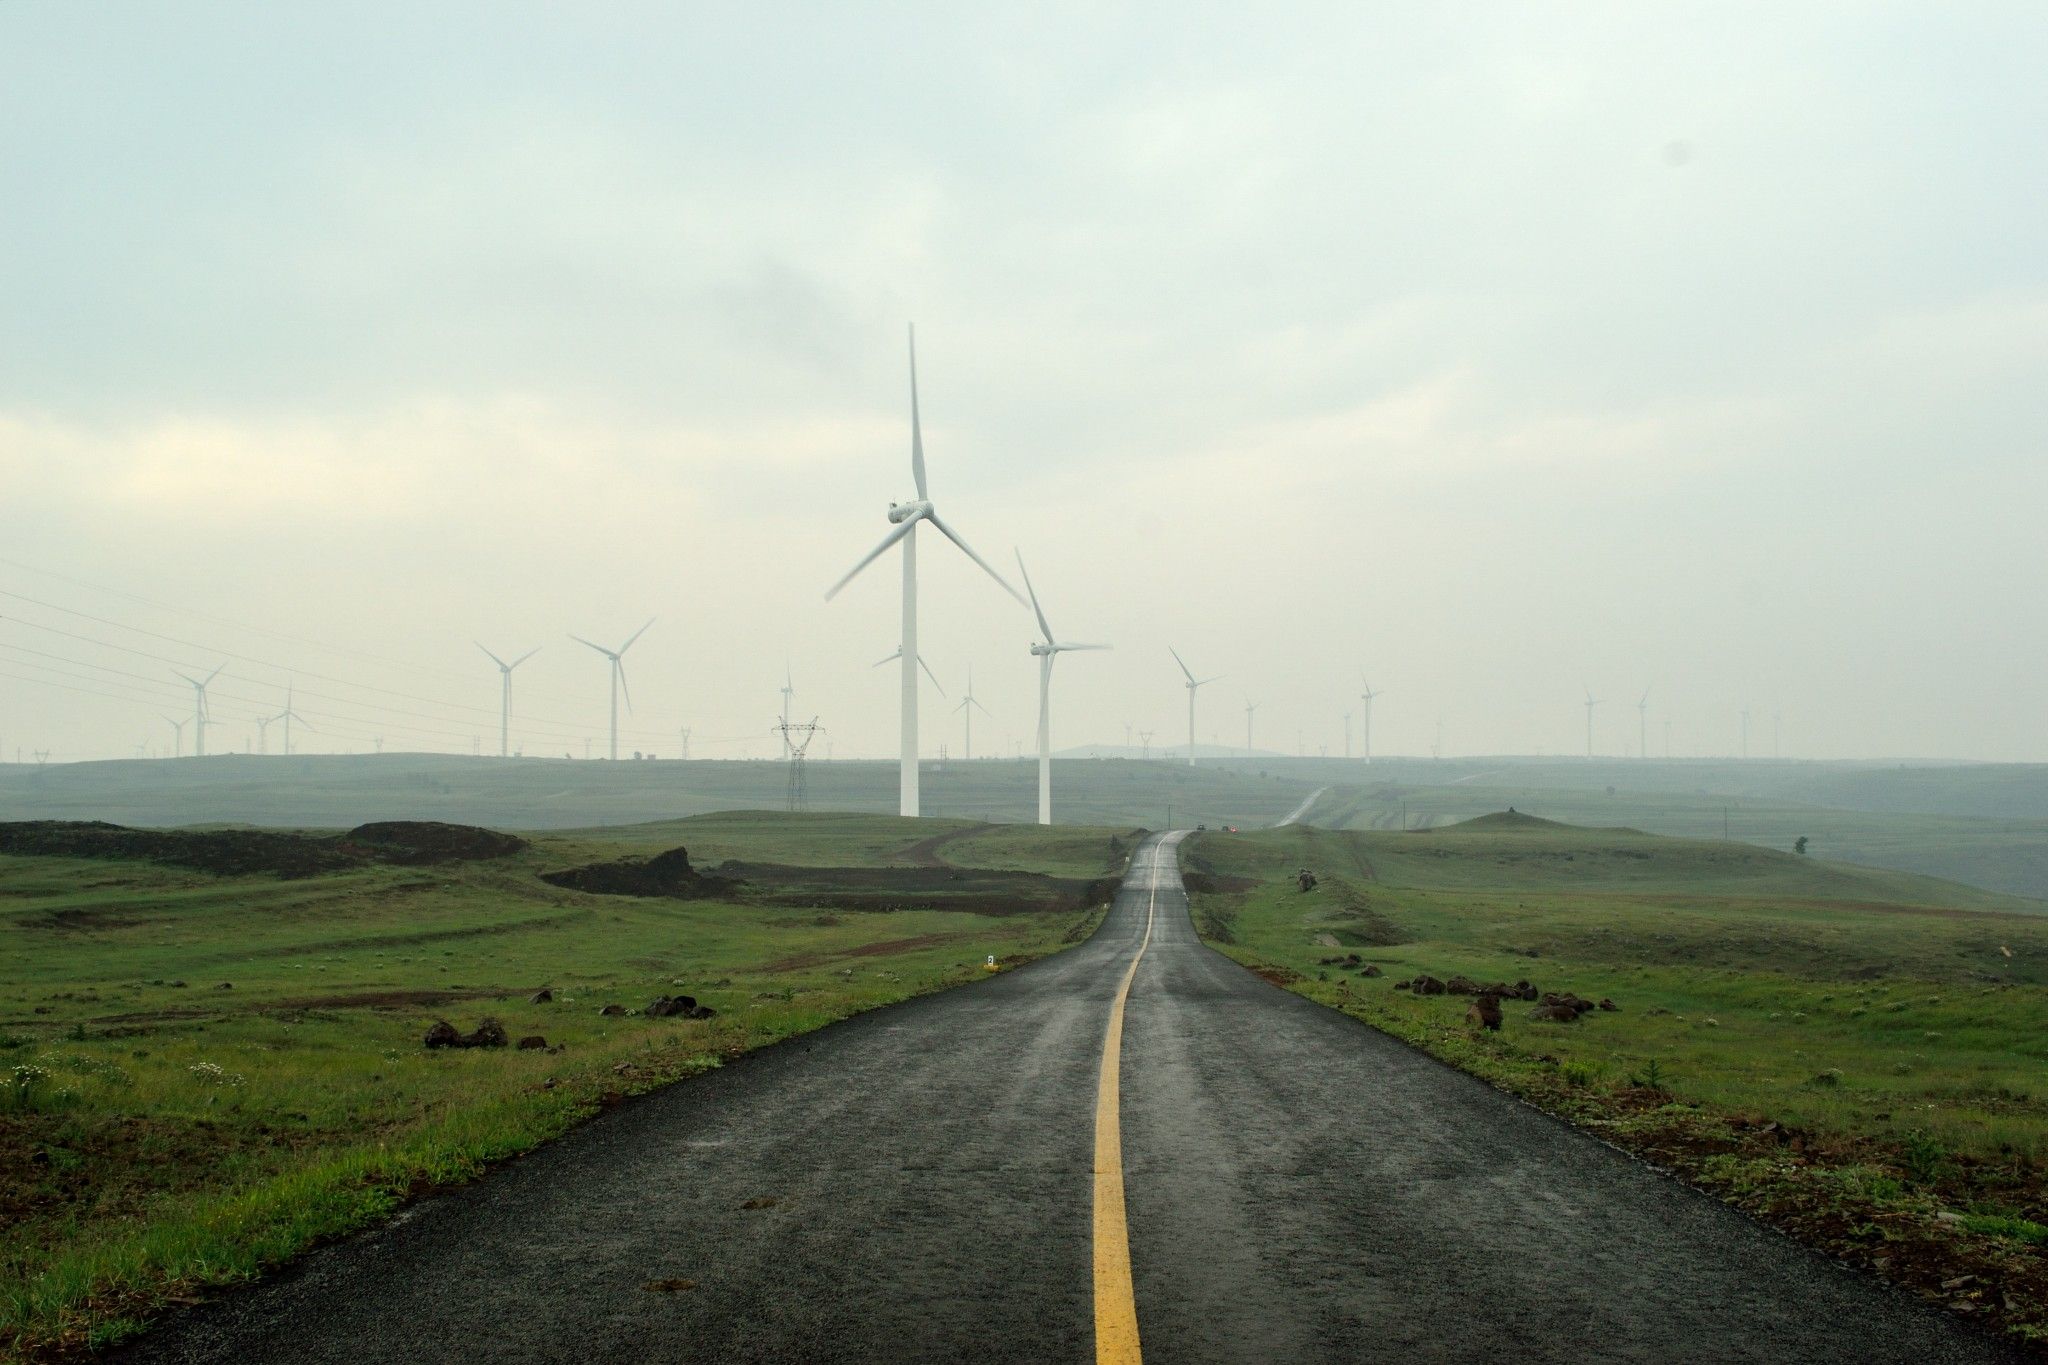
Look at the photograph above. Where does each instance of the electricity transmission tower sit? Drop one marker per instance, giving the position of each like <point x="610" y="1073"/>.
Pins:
<point x="796" y="739"/>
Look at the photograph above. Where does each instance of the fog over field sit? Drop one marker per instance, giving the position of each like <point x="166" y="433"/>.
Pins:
<point x="1496" y="352"/>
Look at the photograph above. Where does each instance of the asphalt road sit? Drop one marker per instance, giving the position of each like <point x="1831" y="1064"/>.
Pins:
<point x="1298" y="1187"/>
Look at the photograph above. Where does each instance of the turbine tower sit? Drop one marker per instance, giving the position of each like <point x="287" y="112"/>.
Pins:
<point x="505" y="695"/>
<point x="905" y="516"/>
<point x="618" y="658"/>
<point x="1643" y="725"/>
<point x="288" y="715"/>
<point x="201" y="712"/>
<point x="1591" y="702"/>
<point x="1366" y="697"/>
<point x="1192" y="685"/>
<point x="1249" y="707"/>
<point x="788" y="691"/>
<point x="178" y="725"/>
<point x="1046" y="651"/>
<point x="967" y="707"/>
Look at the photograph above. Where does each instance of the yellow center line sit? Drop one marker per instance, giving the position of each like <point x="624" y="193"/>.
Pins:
<point x="1116" y="1304"/>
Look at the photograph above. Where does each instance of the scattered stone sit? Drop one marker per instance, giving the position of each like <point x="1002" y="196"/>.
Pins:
<point x="1462" y="985"/>
<point x="489" y="1033"/>
<point x="667" y="1006"/>
<point x="532" y="1042"/>
<point x="672" y="1286"/>
<point x="1562" y="1014"/>
<point x="1608" y="1005"/>
<point x="225" y="986"/>
<point x="1369" y="970"/>
<point x="1485" y="1013"/>
<point x="765" y="1201"/>
<point x="613" y="1010"/>
<point x="543" y="996"/>
<point x="1305" y="879"/>
<point x="1401" y="985"/>
<point x="1522" y="990"/>
<point x="177" y="985"/>
<point x="1427" y="985"/>
<point x="443" y="1034"/>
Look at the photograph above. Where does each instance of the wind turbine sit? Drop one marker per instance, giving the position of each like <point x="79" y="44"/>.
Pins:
<point x="263" y="733"/>
<point x="920" y="663"/>
<point x="1046" y="651"/>
<point x="968" y="706"/>
<point x="905" y="516"/>
<point x="1249" y="707"/>
<point x="201" y="712"/>
<point x="1643" y="725"/>
<point x="618" y="658"/>
<point x="288" y="715"/>
<point x="788" y="691"/>
<point x="1347" y="734"/>
<point x="1591" y="702"/>
<point x="1366" y="697"/>
<point x="1192" y="684"/>
<point x="179" y="726"/>
<point x="505" y="694"/>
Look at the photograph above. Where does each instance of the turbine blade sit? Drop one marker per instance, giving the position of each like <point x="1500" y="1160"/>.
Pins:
<point x="984" y="710"/>
<point x="487" y="654"/>
<point x="635" y="635"/>
<point x="1206" y="681"/>
<point x="954" y="536"/>
<point x="916" y="427"/>
<point x="620" y="665"/>
<point x="522" y="658"/>
<point x="215" y="674"/>
<point x="1043" y="624"/>
<point x="1183" y="665"/>
<point x="928" y="673"/>
<point x="1064" y="648"/>
<point x="891" y="659"/>
<point x="599" y="648"/>
<point x="902" y="530"/>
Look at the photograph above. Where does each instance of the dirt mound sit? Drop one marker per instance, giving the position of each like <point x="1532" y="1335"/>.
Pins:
<point x="246" y="852"/>
<point x="664" y="875"/>
<point x="225" y="852"/>
<point x="429" y="841"/>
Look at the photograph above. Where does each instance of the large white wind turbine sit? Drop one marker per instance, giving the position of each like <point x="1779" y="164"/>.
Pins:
<point x="969" y="704"/>
<point x="1192" y="685"/>
<point x="505" y="694"/>
<point x="618" y="658"/>
<point x="1591" y="702"/>
<point x="1046" y="652"/>
<point x="1366" y="697"/>
<point x="202" y="714"/>
<point x="906" y="516"/>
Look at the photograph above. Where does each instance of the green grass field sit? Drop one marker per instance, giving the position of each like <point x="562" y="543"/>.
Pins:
<point x="205" y="1074"/>
<point x="1893" y="1028"/>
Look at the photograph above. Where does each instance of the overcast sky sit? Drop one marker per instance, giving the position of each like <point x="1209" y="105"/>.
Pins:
<point x="1492" y="351"/>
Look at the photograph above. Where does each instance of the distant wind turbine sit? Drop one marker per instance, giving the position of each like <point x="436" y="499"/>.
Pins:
<point x="178" y="725"/>
<point x="920" y="663"/>
<point x="967" y="707"/>
<point x="1047" y="651"/>
<point x="788" y="691"/>
<point x="1250" y="706"/>
<point x="618" y="670"/>
<point x="1591" y="702"/>
<point x="505" y="694"/>
<point x="905" y="516"/>
<point x="202" y="714"/>
<point x="288" y="715"/>
<point x="1366" y="697"/>
<point x="1192" y="686"/>
<point x="1643" y="725"/>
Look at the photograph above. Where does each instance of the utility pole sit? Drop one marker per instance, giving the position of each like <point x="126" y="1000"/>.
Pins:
<point x="686" y="743"/>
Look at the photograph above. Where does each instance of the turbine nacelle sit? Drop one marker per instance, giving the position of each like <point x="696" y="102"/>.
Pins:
<point x="900" y="512"/>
